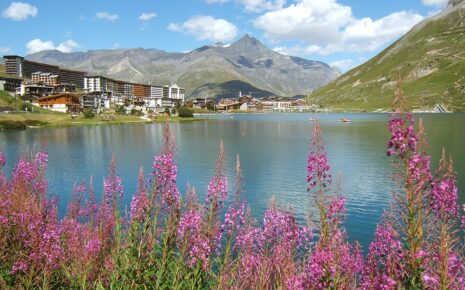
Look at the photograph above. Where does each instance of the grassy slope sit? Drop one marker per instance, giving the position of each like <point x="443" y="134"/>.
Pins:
<point x="439" y="47"/>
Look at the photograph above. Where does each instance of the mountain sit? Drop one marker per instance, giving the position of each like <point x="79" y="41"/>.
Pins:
<point x="430" y="59"/>
<point x="246" y="65"/>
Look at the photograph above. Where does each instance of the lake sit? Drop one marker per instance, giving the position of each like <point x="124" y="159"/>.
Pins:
<point x="273" y="149"/>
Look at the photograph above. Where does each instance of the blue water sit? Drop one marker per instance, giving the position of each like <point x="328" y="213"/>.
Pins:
<point x="273" y="149"/>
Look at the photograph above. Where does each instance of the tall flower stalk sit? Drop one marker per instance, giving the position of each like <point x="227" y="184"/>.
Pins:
<point x="414" y="182"/>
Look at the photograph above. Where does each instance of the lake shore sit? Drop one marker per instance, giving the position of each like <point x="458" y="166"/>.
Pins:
<point x="21" y="121"/>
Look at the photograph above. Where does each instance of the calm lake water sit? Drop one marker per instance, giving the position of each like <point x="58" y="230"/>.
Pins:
<point x="273" y="149"/>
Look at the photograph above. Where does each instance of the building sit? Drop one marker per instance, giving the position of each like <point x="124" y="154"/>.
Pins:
<point x="128" y="90"/>
<point x="45" y="78"/>
<point x="96" y="101"/>
<point x="174" y="92"/>
<point x="156" y="92"/>
<point x="30" y="92"/>
<point x="20" y="67"/>
<point x="72" y="77"/>
<point x="10" y="84"/>
<point x="141" y="91"/>
<point x="64" y="103"/>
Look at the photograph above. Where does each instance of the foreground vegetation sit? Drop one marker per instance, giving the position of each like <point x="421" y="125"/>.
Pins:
<point x="169" y="241"/>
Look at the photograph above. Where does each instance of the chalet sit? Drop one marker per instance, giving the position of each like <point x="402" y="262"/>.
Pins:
<point x="65" y="102"/>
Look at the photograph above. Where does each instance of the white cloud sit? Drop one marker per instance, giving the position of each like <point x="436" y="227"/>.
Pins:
<point x="37" y="45"/>
<point x="67" y="46"/>
<point x="437" y="3"/>
<point x="313" y="21"/>
<point x="368" y="35"/>
<point x="343" y="64"/>
<point x="106" y="16"/>
<point x="5" y="50"/>
<point x="147" y="16"/>
<point x="18" y="11"/>
<point x="255" y="5"/>
<point x="326" y="27"/>
<point x="207" y="28"/>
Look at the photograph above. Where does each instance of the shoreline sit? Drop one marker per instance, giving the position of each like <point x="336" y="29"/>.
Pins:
<point x="23" y="121"/>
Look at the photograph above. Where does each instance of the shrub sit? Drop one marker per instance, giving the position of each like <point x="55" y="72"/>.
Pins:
<point x="25" y="106"/>
<point x="88" y="113"/>
<point x="136" y="112"/>
<point x="120" y="110"/>
<point x="185" y="112"/>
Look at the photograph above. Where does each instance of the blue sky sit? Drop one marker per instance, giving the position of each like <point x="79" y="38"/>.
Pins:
<point x="343" y="33"/>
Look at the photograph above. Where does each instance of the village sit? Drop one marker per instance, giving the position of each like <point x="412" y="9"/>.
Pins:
<point x="70" y="91"/>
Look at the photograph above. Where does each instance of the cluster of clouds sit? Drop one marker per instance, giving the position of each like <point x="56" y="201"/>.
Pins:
<point x="37" y="45"/>
<point x="321" y="26"/>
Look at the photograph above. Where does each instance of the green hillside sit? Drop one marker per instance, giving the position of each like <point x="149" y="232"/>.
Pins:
<point x="430" y="60"/>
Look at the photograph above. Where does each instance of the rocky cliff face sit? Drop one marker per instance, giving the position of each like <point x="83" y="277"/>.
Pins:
<point x="206" y="71"/>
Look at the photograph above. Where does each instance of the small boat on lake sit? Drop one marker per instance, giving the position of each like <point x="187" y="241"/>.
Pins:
<point x="345" y="120"/>
<point x="312" y="119"/>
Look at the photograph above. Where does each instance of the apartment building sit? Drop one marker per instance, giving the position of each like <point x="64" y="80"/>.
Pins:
<point x="173" y="92"/>
<point x="72" y="77"/>
<point x="45" y="78"/>
<point x="141" y="91"/>
<point x="20" y="67"/>
<point x="156" y="92"/>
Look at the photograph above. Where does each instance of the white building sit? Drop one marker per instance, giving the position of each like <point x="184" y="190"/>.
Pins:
<point x="156" y="92"/>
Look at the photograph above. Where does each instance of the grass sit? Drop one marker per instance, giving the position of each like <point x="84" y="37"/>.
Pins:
<point x="24" y="120"/>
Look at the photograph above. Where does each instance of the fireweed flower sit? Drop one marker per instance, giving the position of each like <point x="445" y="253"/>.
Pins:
<point x="218" y="186"/>
<point x="317" y="162"/>
<point x="191" y="238"/>
<point x="233" y="217"/>
<point x="384" y="265"/>
<point x="403" y="137"/>
<point x="112" y="185"/>
<point x="2" y="160"/>
<point x="30" y="172"/>
<point x="336" y="210"/>
<point x="444" y="197"/>
<point x="419" y="168"/>
<point x="445" y="192"/>
<point x="164" y="173"/>
<point x="140" y="203"/>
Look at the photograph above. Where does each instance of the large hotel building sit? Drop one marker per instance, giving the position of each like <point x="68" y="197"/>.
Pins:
<point x="53" y="75"/>
<point x="20" y="67"/>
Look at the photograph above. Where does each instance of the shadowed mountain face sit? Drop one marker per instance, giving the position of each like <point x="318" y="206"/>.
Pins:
<point x="204" y="71"/>
<point x="430" y="60"/>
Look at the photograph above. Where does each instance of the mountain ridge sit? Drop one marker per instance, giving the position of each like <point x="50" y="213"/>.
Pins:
<point x="247" y="60"/>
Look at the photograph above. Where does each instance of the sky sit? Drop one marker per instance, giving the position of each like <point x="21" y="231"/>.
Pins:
<point x="342" y="33"/>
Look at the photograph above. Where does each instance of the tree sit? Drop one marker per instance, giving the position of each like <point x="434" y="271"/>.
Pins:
<point x="185" y="112"/>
